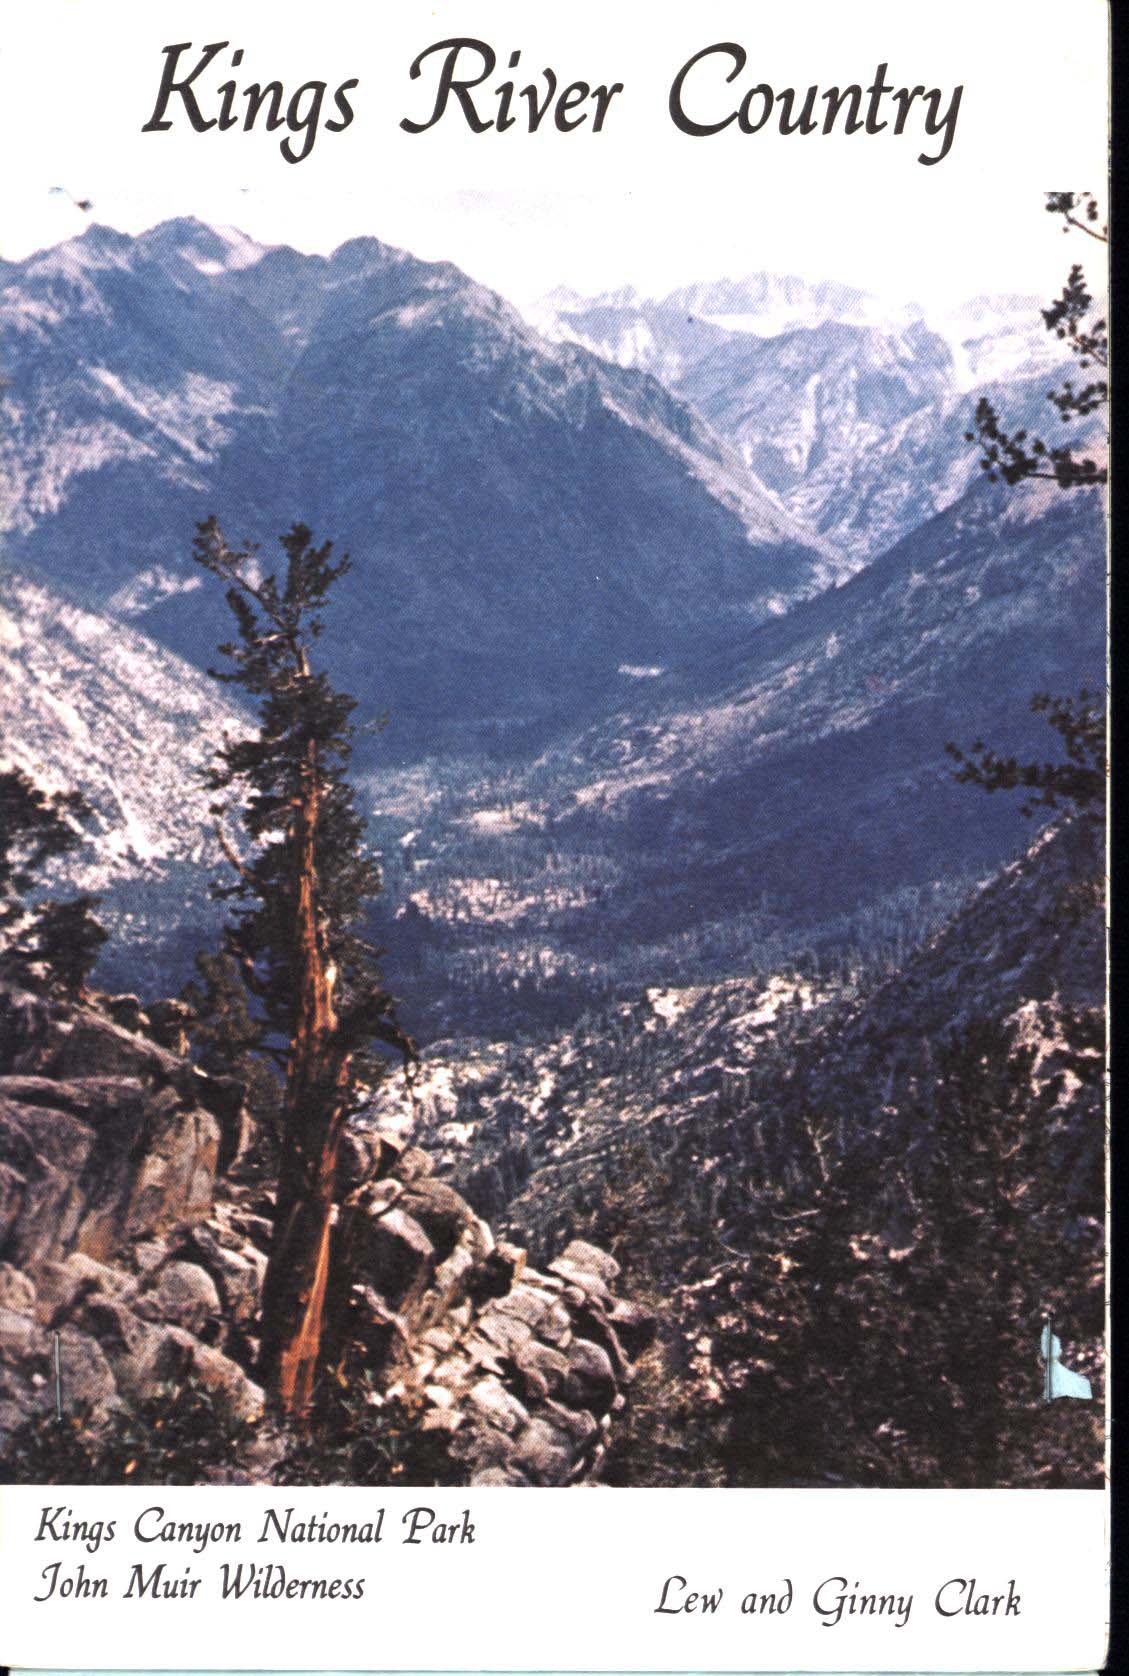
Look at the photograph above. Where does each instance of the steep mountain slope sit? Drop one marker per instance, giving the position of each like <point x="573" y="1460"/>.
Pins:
<point x="988" y="336"/>
<point x="777" y="1163"/>
<point x="89" y="705"/>
<point x="853" y="411"/>
<point x="120" y="371"/>
<point x="522" y="517"/>
<point x="1001" y="337"/>
<point x="511" y="1124"/>
<point x="863" y="433"/>
<point x="668" y="335"/>
<point x="823" y="414"/>
<point x="802" y="777"/>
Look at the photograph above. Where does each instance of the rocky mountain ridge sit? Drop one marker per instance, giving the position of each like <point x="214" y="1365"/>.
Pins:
<point x="852" y="410"/>
<point x="767" y="305"/>
<point x="791" y="792"/>
<point x="508" y="1124"/>
<point x="523" y="517"/>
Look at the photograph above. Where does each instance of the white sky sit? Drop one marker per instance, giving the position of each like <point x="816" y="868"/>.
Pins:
<point x="640" y="203"/>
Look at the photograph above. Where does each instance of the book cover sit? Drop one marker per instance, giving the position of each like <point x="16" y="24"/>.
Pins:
<point x="552" y="836"/>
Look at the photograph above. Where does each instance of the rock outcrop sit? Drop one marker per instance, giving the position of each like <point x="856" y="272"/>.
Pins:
<point x="123" y="1242"/>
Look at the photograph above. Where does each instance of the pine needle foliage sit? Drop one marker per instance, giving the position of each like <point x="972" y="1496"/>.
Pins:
<point x="298" y="899"/>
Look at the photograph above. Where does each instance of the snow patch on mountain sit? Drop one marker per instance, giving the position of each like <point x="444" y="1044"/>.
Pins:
<point x="191" y="416"/>
<point x="87" y="705"/>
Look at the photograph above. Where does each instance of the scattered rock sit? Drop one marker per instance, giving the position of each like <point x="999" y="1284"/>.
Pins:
<point x="365" y="1156"/>
<point x="17" y="1332"/>
<point x="137" y="1161"/>
<point x="414" y="1164"/>
<point x="592" y="1382"/>
<point x="543" y="1452"/>
<point x="238" y="1273"/>
<point x="396" y="1252"/>
<point x="239" y="1398"/>
<point x="634" y="1324"/>
<point x="85" y="1373"/>
<point x="62" y="1287"/>
<point x="184" y="1294"/>
<point x="17" y="1290"/>
<point x="125" y="1010"/>
<point x="441" y="1212"/>
<point x="119" y="1232"/>
<point x="591" y="1259"/>
<point x="168" y="1024"/>
<point x="496" y="1273"/>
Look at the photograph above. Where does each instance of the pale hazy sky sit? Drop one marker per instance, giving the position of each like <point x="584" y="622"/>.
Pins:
<point x="640" y="203"/>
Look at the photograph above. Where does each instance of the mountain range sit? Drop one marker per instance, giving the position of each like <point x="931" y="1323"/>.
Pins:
<point x="696" y="629"/>
<point x="720" y="974"/>
<point x="852" y="410"/>
<point x="523" y="518"/>
<point x="988" y="337"/>
<point x="791" y="795"/>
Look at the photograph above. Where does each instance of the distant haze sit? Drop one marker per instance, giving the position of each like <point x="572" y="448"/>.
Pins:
<point x="639" y="203"/>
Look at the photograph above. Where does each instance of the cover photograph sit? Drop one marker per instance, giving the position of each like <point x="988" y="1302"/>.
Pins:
<point x="553" y="782"/>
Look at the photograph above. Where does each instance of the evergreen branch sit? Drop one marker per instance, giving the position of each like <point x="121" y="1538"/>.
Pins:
<point x="211" y="550"/>
<point x="1067" y="203"/>
<point x="230" y="852"/>
<point x="371" y="1016"/>
<point x="1091" y="232"/>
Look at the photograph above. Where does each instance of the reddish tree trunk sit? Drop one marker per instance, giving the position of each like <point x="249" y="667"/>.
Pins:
<point x="314" y="1105"/>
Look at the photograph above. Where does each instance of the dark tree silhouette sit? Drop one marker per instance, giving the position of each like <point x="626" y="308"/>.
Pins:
<point x="52" y="945"/>
<point x="35" y="827"/>
<point x="298" y="900"/>
<point x="1016" y="455"/>
<point x="62" y="945"/>
<point x="1079" y="783"/>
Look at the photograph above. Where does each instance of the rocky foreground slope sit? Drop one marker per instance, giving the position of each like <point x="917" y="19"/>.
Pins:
<point x="123" y="1232"/>
<point x="828" y="1192"/>
<point x="532" y="1133"/>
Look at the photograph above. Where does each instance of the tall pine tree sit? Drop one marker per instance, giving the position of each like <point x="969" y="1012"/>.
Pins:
<point x="298" y="902"/>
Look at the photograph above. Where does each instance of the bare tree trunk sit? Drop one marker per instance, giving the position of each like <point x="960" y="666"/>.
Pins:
<point x="314" y="1106"/>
